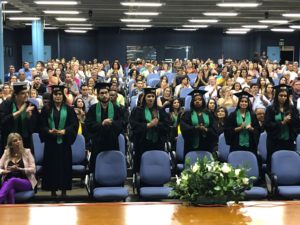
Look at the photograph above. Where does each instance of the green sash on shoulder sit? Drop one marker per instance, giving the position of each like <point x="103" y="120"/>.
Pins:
<point x="244" y="134"/>
<point x="151" y="135"/>
<point x="61" y="124"/>
<point x="284" y="133"/>
<point x="111" y="111"/>
<point x="195" y="122"/>
<point x="23" y="117"/>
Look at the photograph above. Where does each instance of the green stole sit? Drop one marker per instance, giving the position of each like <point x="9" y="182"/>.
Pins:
<point x="244" y="134"/>
<point x="151" y="135"/>
<point x="111" y="111"/>
<point x="24" y="122"/>
<point x="284" y="133"/>
<point x="174" y="119"/>
<point x="195" y="122"/>
<point x="61" y="124"/>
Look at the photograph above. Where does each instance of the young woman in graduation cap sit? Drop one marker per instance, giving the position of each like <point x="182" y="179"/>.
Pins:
<point x="149" y="126"/>
<point x="59" y="126"/>
<point x="241" y="128"/>
<point x="281" y="122"/>
<point x="18" y="115"/>
<point x="197" y="125"/>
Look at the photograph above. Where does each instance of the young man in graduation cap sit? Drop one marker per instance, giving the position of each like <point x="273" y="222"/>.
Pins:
<point x="149" y="124"/>
<point x="197" y="125"/>
<point x="241" y="128"/>
<point x="104" y="123"/>
<point x="18" y="115"/>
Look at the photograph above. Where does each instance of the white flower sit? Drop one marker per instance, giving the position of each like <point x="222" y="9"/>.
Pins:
<point x="246" y="180"/>
<point x="195" y="168"/>
<point x="178" y="180"/>
<point x="225" y="168"/>
<point x="209" y="167"/>
<point x="184" y="177"/>
<point x="237" y="172"/>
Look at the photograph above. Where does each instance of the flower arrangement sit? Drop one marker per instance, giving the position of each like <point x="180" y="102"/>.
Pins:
<point x="211" y="182"/>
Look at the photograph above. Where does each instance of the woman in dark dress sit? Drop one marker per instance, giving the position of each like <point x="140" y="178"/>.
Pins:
<point x="175" y="115"/>
<point x="150" y="126"/>
<point x="221" y="115"/>
<point x="197" y="125"/>
<point x="281" y="123"/>
<point x="241" y="128"/>
<point x="59" y="127"/>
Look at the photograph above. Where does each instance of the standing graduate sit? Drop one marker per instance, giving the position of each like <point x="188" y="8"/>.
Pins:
<point x="104" y="124"/>
<point x="150" y="126"/>
<point x="241" y="128"/>
<point x="59" y="126"/>
<point x="281" y="123"/>
<point x="197" y="125"/>
<point x="17" y="115"/>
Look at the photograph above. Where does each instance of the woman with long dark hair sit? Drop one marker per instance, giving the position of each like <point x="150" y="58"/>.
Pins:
<point x="175" y="114"/>
<point x="281" y="122"/>
<point x="59" y="127"/>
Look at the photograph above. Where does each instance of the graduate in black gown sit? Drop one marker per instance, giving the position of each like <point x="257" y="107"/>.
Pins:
<point x="197" y="125"/>
<point x="104" y="124"/>
<point x="59" y="126"/>
<point x="150" y="126"/>
<point x="17" y="115"/>
<point x="281" y="123"/>
<point x="241" y="128"/>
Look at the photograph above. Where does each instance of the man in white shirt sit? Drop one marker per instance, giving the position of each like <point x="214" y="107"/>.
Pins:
<point x="258" y="99"/>
<point x="290" y="71"/>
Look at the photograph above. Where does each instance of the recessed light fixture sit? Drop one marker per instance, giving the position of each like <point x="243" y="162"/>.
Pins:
<point x="184" y="29"/>
<point x="138" y="25"/>
<point x="274" y="21"/>
<point x="80" y="28"/>
<point x="236" y="32"/>
<point x="11" y="11"/>
<point x="220" y="14"/>
<point x="141" y="13"/>
<point x="139" y="29"/>
<point x="56" y="2"/>
<point x="295" y="26"/>
<point x="203" y="21"/>
<point x="76" y="31"/>
<point x="255" y="26"/>
<point x="239" y="29"/>
<point x="142" y="4"/>
<point x="71" y="19"/>
<point x="79" y="24"/>
<point x="23" y="18"/>
<point x="238" y="4"/>
<point x="195" y="26"/>
<point x="50" y="28"/>
<point x="135" y="20"/>
<point x="61" y="12"/>
<point x="294" y="15"/>
<point x="29" y="24"/>
<point x="282" y="30"/>
<point x="4" y="2"/>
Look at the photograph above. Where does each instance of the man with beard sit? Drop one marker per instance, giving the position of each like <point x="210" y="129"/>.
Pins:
<point x="104" y="124"/>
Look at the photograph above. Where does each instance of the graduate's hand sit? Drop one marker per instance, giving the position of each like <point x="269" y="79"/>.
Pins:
<point x="29" y="110"/>
<point x="249" y="127"/>
<point x="154" y="122"/>
<point x="287" y="119"/>
<point x="60" y="132"/>
<point x="23" y="107"/>
<point x="106" y="122"/>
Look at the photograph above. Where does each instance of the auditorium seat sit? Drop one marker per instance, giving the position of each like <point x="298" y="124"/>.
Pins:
<point x="193" y="156"/>
<point x="223" y="148"/>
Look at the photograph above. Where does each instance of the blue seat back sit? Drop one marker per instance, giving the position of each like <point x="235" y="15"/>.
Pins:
<point x="110" y="168"/>
<point x="230" y="110"/>
<point x="152" y="76"/>
<point x="38" y="147"/>
<point x="223" y="148"/>
<point x="192" y="77"/>
<point x="155" y="168"/>
<point x="122" y="143"/>
<point x="262" y="146"/>
<point x="153" y="82"/>
<point x="193" y="156"/>
<point x="285" y="164"/>
<point x="171" y="77"/>
<point x="180" y="148"/>
<point x="133" y="102"/>
<point x="78" y="150"/>
<point x="187" y="103"/>
<point x="298" y="143"/>
<point x="184" y="92"/>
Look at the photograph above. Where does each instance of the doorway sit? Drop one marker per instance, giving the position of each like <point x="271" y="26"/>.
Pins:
<point x="286" y="53"/>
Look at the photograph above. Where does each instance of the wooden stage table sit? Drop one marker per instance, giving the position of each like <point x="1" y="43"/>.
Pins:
<point x="269" y="212"/>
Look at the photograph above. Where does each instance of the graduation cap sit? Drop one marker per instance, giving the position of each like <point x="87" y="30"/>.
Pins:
<point x="243" y="94"/>
<point x="197" y="92"/>
<point x="56" y="88"/>
<point x="102" y="85"/>
<point x="283" y="87"/>
<point x="19" y="86"/>
<point x="149" y="91"/>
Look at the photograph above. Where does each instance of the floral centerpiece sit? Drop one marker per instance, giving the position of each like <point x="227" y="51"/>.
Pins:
<point x="211" y="182"/>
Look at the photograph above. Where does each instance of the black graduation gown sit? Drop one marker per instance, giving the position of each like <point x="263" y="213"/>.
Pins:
<point x="57" y="164"/>
<point x="139" y="128"/>
<point x="103" y="138"/>
<point x="206" y="142"/>
<point x="232" y="137"/>
<point x="273" y="128"/>
<point x="7" y="124"/>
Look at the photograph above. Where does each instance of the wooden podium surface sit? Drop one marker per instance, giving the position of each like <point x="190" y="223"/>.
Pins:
<point x="260" y="213"/>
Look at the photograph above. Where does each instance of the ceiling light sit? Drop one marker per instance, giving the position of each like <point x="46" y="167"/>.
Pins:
<point x="61" y="12"/>
<point x="29" y="24"/>
<point x="274" y="21"/>
<point x="80" y="28"/>
<point x="138" y="25"/>
<point x="220" y="14"/>
<point x="295" y="26"/>
<point x="142" y="4"/>
<point x="238" y="29"/>
<point x="140" y="29"/>
<point x="135" y="20"/>
<point x="238" y="4"/>
<point x="295" y="15"/>
<point x="23" y="18"/>
<point x="79" y="24"/>
<point x="141" y="13"/>
<point x="255" y="26"/>
<point x="56" y="2"/>
<point x="4" y="2"/>
<point x="182" y="29"/>
<point x="203" y="21"/>
<point x="12" y="11"/>
<point x="50" y="28"/>
<point x="76" y="31"/>
<point x="282" y="30"/>
<point x="195" y="26"/>
<point x="71" y="19"/>
<point x="236" y="32"/>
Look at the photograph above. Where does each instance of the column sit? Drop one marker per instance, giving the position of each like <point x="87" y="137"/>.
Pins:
<point x="1" y="46"/>
<point x="37" y="41"/>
